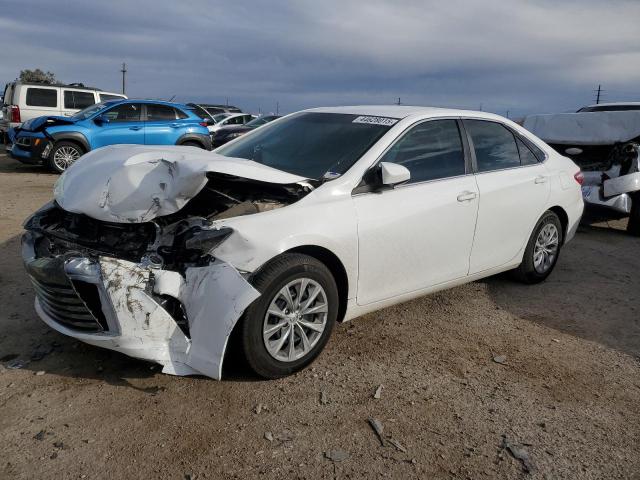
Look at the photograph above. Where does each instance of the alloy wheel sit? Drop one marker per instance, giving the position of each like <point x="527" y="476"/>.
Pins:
<point x="65" y="156"/>
<point x="295" y="320"/>
<point x="546" y="248"/>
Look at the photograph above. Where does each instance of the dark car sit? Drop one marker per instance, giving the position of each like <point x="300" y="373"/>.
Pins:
<point x="226" y="134"/>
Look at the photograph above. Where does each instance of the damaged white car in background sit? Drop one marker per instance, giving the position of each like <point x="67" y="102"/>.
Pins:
<point x="604" y="140"/>
<point x="321" y="216"/>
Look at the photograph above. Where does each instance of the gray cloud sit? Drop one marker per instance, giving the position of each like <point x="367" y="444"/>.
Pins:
<point x="517" y="55"/>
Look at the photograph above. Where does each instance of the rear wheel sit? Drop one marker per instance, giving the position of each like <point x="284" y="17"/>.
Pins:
<point x="542" y="251"/>
<point x="633" y="227"/>
<point x="289" y="325"/>
<point x="63" y="155"/>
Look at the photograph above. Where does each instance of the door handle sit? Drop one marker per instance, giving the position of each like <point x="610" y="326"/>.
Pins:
<point x="467" y="196"/>
<point x="541" y="179"/>
<point x="135" y="128"/>
<point x="175" y="125"/>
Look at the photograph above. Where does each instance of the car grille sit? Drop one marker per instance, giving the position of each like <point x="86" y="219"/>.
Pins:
<point x="59" y="298"/>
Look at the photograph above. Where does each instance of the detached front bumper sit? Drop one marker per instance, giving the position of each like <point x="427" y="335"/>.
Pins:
<point x="116" y="304"/>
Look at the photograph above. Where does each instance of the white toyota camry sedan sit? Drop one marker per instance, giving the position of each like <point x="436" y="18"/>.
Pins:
<point x="317" y="218"/>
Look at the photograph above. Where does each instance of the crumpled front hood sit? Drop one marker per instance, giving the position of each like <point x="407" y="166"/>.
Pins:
<point x="40" y="123"/>
<point x="135" y="183"/>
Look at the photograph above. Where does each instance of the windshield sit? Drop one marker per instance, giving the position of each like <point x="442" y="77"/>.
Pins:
<point x="256" y="122"/>
<point x="310" y="144"/>
<point x="89" y="111"/>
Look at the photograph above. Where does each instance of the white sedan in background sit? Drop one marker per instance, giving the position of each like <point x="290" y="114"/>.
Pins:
<point x="226" y="119"/>
<point x="316" y="218"/>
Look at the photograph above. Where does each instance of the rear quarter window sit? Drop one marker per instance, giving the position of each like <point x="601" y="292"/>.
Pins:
<point x="42" y="97"/>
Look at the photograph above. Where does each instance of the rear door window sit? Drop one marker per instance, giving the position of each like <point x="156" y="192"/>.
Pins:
<point x="160" y="113"/>
<point x="127" y="112"/>
<point x="78" y="100"/>
<point x="42" y="97"/>
<point x="430" y="150"/>
<point x="495" y="146"/>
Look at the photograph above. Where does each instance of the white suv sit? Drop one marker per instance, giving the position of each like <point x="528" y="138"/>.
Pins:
<point x="23" y="101"/>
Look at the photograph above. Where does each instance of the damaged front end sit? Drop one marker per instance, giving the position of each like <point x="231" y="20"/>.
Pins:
<point x="150" y="289"/>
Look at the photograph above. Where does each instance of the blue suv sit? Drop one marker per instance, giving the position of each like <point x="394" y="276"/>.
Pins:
<point x="60" y="141"/>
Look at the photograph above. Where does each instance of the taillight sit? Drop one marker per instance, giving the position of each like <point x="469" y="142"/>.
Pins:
<point x="579" y="178"/>
<point x="204" y="124"/>
<point x="15" y="113"/>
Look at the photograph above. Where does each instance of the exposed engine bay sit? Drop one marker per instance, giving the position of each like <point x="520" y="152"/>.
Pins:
<point x="173" y="241"/>
<point x="150" y="288"/>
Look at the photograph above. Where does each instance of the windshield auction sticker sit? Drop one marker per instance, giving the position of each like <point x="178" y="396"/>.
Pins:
<point x="376" y="120"/>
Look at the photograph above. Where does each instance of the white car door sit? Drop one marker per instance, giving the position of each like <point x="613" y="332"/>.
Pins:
<point x="514" y="189"/>
<point x="420" y="233"/>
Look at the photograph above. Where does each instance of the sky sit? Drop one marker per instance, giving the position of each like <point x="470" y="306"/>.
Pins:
<point x="512" y="56"/>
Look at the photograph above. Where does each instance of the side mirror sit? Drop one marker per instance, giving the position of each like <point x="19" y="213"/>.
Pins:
<point x="393" y="173"/>
<point x="102" y="119"/>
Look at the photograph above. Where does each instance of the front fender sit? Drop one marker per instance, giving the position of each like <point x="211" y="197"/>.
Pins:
<point x="60" y="134"/>
<point x="258" y="238"/>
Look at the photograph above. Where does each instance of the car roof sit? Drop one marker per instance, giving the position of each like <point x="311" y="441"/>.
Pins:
<point x="403" y="111"/>
<point x="158" y="102"/>
<point x="76" y="86"/>
<point x="613" y="104"/>
<point x="214" y="105"/>
<point x="233" y="114"/>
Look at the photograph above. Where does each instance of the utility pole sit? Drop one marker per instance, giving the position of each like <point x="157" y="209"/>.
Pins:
<point x="226" y="101"/>
<point x="507" y="113"/>
<point x="598" y="94"/>
<point x="398" y="101"/>
<point x="124" y="74"/>
<point x="277" y="108"/>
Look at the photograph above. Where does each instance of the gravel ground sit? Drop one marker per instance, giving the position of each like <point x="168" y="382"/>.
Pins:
<point x="488" y="380"/>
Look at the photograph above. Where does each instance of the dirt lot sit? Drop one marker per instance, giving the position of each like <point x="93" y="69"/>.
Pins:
<point x="567" y="393"/>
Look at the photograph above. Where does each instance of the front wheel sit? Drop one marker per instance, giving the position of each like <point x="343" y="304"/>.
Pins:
<point x="289" y="325"/>
<point x="543" y="248"/>
<point x="63" y="155"/>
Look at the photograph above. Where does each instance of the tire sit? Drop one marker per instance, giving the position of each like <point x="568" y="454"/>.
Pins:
<point x="192" y="144"/>
<point x="530" y="271"/>
<point x="289" y="269"/>
<point x="633" y="227"/>
<point x="57" y="161"/>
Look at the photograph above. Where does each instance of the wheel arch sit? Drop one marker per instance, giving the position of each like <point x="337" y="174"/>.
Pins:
<point x="74" y="137"/>
<point x="195" y="138"/>
<point x="564" y="219"/>
<point x="335" y="266"/>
